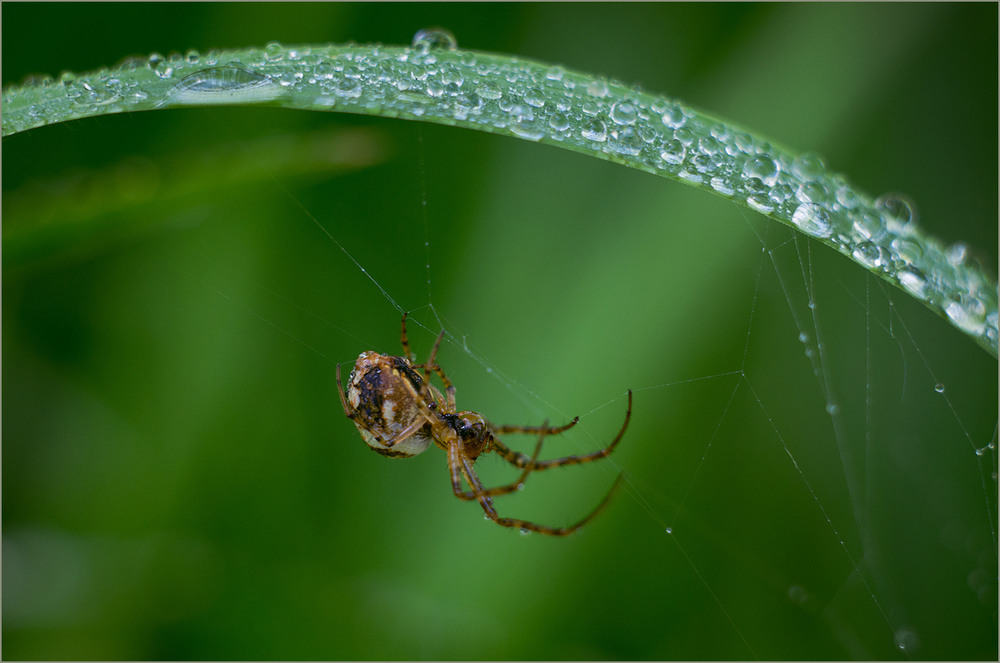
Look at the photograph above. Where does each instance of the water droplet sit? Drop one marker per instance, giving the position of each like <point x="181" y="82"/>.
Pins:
<point x="489" y="91"/>
<point x="907" y="640"/>
<point x="709" y="146"/>
<point x="433" y="38"/>
<point x="832" y="409"/>
<point x="595" y="130"/>
<point x="847" y="196"/>
<point x="808" y="166"/>
<point x="626" y="142"/>
<point x="939" y="388"/>
<point x="221" y="79"/>
<point x="812" y="192"/>
<point x="812" y="219"/>
<point x="673" y="151"/>
<point x="468" y="100"/>
<point x="780" y="193"/>
<point x="452" y="76"/>
<point x="559" y="121"/>
<point x="670" y="530"/>
<point x="348" y="87"/>
<point x="156" y="62"/>
<point x="528" y="129"/>
<point x="685" y="136"/>
<point x="895" y="206"/>
<point x="760" y="202"/>
<point x="957" y="254"/>
<point x="524" y="531"/>
<point x="907" y="250"/>
<point x="868" y="254"/>
<point x="534" y="97"/>
<point x="674" y="116"/>
<point x="969" y="314"/>
<point x="434" y="88"/>
<point x="761" y="167"/>
<point x="597" y="88"/>
<point x="913" y="282"/>
<point x="274" y="51"/>
<point x="624" y="113"/>
<point x="868" y="226"/>
<point x="555" y="73"/>
<point x="721" y="185"/>
<point x="192" y="56"/>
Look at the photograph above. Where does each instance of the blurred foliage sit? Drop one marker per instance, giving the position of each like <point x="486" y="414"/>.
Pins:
<point x="178" y="477"/>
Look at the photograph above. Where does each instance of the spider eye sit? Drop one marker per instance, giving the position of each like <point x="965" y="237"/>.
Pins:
<point x="470" y="426"/>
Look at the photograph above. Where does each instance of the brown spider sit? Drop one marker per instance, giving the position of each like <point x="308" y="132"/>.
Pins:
<point x="399" y="413"/>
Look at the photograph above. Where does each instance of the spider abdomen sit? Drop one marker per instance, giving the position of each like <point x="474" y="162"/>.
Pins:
<point x="384" y="406"/>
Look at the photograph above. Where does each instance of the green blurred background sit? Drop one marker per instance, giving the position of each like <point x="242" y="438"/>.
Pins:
<point x="179" y="480"/>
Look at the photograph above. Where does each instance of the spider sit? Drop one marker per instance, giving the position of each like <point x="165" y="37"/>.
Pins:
<point x="399" y="413"/>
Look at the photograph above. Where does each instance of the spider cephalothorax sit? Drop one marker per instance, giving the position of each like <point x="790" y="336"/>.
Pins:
<point x="399" y="413"/>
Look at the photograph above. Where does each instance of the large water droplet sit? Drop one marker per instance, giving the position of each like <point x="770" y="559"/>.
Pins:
<point x="220" y="79"/>
<point x="762" y="167"/>
<point x="812" y="219"/>
<point x="595" y="130"/>
<point x="895" y="206"/>
<point x="626" y="142"/>
<point x="559" y="121"/>
<point x="433" y="38"/>
<point x="913" y="282"/>
<point x="525" y="124"/>
<point x="907" y="250"/>
<point x="868" y="226"/>
<point x="812" y="192"/>
<point x="274" y="51"/>
<point x="674" y="116"/>
<point x="157" y="63"/>
<point x="624" y="113"/>
<point x="969" y="314"/>
<point x="673" y="151"/>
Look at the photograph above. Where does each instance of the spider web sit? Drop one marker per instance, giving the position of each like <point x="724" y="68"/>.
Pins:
<point x="810" y="471"/>
<point x="810" y="490"/>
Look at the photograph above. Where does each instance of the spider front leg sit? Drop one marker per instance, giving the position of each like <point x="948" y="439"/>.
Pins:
<point x="519" y="459"/>
<point x="499" y="490"/>
<point x="429" y="365"/>
<point x="461" y="466"/>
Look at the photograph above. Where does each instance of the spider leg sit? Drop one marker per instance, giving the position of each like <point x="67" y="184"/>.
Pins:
<point x="343" y="398"/>
<point x="544" y="428"/>
<point x="429" y="366"/>
<point x="518" y="459"/>
<point x="462" y="466"/>
<point x="406" y="343"/>
<point x="507" y="488"/>
<point x="448" y="386"/>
